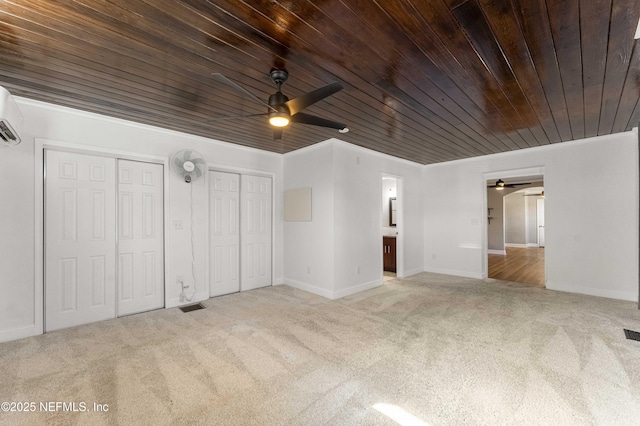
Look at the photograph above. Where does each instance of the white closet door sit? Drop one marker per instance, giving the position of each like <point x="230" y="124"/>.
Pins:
<point x="80" y="244"/>
<point x="256" y="232"/>
<point x="140" y="237"/>
<point x="224" y="217"/>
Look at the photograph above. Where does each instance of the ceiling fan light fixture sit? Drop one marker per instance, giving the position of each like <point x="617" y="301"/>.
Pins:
<point x="344" y="130"/>
<point x="279" y="120"/>
<point x="499" y="185"/>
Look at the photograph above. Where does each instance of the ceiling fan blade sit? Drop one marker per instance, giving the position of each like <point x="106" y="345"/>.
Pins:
<point x="222" y="79"/>
<point x="303" y="118"/>
<point x="236" y="117"/>
<point x="301" y="102"/>
<point x="513" y="185"/>
<point x="277" y="134"/>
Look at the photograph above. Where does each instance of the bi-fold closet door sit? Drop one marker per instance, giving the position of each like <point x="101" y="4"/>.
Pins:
<point x="104" y="238"/>
<point x="240" y="222"/>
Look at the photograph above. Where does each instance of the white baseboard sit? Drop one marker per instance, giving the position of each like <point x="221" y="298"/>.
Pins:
<point x="515" y="245"/>
<point x="409" y="272"/>
<point x="502" y="252"/>
<point x="308" y="287"/>
<point x="20" y="333"/>
<point x="332" y="294"/>
<point x="454" y="272"/>
<point x="278" y="281"/>
<point x="532" y="245"/>
<point x="594" y="291"/>
<point x="356" y="289"/>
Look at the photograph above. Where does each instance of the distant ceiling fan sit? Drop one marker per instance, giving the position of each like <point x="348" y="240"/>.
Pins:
<point x="501" y="185"/>
<point x="281" y="110"/>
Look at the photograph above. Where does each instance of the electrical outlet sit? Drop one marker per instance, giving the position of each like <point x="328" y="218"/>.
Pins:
<point x="178" y="225"/>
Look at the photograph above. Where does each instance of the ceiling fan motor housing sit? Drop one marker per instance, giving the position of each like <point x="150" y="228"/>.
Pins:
<point x="277" y="101"/>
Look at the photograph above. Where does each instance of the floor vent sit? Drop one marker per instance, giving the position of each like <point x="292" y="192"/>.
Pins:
<point x="195" y="307"/>
<point x="632" y="335"/>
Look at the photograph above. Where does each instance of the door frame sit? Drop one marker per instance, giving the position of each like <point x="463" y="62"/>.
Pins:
<point x="492" y="176"/>
<point x="217" y="167"/>
<point x="399" y="224"/>
<point x="40" y="145"/>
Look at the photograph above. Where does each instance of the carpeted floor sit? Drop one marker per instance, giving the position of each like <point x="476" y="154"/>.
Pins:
<point x="430" y="349"/>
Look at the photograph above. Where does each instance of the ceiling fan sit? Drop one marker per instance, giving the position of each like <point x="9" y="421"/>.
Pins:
<point x="501" y="185"/>
<point x="281" y="110"/>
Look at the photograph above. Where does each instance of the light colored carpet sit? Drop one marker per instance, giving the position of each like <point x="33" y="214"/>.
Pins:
<point x="438" y="350"/>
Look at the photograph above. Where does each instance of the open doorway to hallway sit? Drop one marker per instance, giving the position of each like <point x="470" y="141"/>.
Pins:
<point x="515" y="230"/>
<point x="390" y="225"/>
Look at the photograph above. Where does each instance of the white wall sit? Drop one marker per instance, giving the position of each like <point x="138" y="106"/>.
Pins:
<point x="591" y="223"/>
<point x="515" y="219"/>
<point x="347" y="181"/>
<point x="18" y="207"/>
<point x="308" y="259"/>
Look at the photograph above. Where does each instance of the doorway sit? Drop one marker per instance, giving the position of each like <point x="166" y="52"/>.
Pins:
<point x="515" y="229"/>
<point x="391" y="226"/>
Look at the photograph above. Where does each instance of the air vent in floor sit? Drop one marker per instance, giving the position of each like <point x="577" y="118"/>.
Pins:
<point x="190" y="308"/>
<point x="632" y="335"/>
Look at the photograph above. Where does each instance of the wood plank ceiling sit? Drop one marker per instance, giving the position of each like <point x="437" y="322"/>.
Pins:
<point x="428" y="81"/>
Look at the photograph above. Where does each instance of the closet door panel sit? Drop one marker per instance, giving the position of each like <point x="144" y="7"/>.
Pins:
<point x="255" y="231"/>
<point x="224" y="229"/>
<point x="80" y="239"/>
<point x="140" y="237"/>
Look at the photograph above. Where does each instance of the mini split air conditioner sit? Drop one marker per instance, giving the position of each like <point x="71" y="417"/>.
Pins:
<point x="10" y="119"/>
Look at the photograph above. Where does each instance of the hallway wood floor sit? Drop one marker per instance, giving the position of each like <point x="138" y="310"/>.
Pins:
<point x="522" y="265"/>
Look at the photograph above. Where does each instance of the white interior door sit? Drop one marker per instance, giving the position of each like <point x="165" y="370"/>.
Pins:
<point x="255" y="232"/>
<point x="140" y="237"/>
<point x="540" y="220"/>
<point x="224" y="221"/>
<point x="80" y="244"/>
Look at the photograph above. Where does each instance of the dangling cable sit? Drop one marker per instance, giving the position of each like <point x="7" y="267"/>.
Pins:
<point x="193" y="257"/>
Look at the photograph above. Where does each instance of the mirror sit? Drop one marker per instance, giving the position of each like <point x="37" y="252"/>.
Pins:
<point x="392" y="211"/>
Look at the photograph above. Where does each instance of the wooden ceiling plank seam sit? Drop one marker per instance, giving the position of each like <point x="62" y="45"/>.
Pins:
<point x="563" y="18"/>
<point x="634" y="119"/>
<point x="623" y="24"/>
<point x="454" y="107"/>
<point x="119" y="47"/>
<point x="133" y="82"/>
<point x="476" y="28"/>
<point x="433" y="33"/>
<point x="595" y="18"/>
<point x="114" y="49"/>
<point x="630" y="93"/>
<point x="539" y="39"/>
<point x="507" y="30"/>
